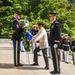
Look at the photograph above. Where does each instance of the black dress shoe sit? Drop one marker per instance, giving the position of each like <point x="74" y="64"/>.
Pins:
<point x="53" y="72"/>
<point x="67" y="62"/>
<point x="20" y="64"/>
<point x="74" y="63"/>
<point x="22" y="51"/>
<point x="58" y="72"/>
<point x="34" y="64"/>
<point x="15" y="65"/>
<point x="46" y="68"/>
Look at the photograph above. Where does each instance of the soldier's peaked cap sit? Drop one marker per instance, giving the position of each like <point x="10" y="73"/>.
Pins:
<point x="53" y="13"/>
<point x="65" y="34"/>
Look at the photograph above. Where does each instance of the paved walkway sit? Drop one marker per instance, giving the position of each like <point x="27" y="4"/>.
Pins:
<point x="7" y="68"/>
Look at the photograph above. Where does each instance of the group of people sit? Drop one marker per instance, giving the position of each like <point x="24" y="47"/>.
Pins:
<point x="53" y="42"/>
<point x="65" y="46"/>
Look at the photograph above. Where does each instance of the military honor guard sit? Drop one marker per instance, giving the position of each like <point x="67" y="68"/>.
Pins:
<point x="61" y="47"/>
<point x="73" y="50"/>
<point x="66" y="47"/>
<point x="54" y="42"/>
<point x="41" y="36"/>
<point x="16" y="37"/>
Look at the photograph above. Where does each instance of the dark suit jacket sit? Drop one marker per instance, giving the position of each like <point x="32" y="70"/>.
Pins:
<point x="54" y="32"/>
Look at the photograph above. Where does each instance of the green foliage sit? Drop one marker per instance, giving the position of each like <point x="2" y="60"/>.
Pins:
<point x="37" y="10"/>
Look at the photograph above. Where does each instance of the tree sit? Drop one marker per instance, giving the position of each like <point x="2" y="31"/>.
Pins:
<point x="7" y="8"/>
<point x="37" y="10"/>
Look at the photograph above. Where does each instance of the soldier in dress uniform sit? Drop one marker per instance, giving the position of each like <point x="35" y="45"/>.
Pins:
<point x="54" y="42"/>
<point x="73" y="50"/>
<point x="16" y="37"/>
<point x="61" y="47"/>
<point x="66" y="47"/>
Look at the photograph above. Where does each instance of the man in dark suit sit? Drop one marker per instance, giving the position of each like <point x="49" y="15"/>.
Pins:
<point x="54" y="42"/>
<point x="16" y="37"/>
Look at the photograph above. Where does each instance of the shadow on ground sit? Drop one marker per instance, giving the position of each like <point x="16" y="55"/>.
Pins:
<point x="25" y="67"/>
<point x="28" y="67"/>
<point x="6" y="66"/>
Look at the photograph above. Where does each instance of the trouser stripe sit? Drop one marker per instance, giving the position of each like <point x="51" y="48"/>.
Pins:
<point x="56" y="59"/>
<point x="16" y="52"/>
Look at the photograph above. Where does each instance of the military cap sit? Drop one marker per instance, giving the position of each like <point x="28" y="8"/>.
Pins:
<point x="53" y="13"/>
<point x="65" y="34"/>
<point x="62" y="34"/>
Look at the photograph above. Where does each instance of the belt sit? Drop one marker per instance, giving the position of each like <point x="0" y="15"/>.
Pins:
<point x="65" y="45"/>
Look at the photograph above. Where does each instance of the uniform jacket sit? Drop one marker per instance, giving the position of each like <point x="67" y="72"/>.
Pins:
<point x="17" y="30"/>
<point x="61" y="44"/>
<point x="66" y="44"/>
<point x="54" y="32"/>
<point x="41" y="36"/>
<point x="73" y="46"/>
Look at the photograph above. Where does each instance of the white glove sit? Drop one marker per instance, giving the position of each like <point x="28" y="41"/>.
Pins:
<point x="55" y="45"/>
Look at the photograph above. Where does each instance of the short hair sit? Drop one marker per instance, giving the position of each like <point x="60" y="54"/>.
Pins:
<point x="40" y="24"/>
<point x="17" y="13"/>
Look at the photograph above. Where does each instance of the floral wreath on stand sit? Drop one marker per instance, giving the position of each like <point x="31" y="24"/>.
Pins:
<point x="27" y="36"/>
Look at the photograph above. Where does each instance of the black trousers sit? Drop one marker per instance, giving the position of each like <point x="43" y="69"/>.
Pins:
<point x="56" y="59"/>
<point x="44" y="51"/>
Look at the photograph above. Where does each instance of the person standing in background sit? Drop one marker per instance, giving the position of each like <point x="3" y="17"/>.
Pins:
<point x="35" y="44"/>
<point x="34" y="32"/>
<point x="61" y="47"/>
<point x="49" y="48"/>
<point x="66" y="48"/>
<point x="73" y="50"/>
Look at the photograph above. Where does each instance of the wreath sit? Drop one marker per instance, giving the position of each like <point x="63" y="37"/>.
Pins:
<point x="26" y="36"/>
